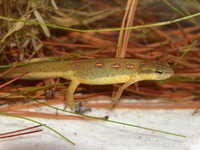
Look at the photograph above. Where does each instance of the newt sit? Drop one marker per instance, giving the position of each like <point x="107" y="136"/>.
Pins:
<point x="99" y="71"/>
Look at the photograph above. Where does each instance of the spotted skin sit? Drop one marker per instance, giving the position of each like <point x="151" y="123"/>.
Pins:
<point x="100" y="71"/>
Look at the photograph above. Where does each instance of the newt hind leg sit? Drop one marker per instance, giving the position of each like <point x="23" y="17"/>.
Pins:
<point x="69" y="96"/>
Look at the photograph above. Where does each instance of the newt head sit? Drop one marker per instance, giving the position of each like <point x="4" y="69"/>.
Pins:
<point x="152" y="70"/>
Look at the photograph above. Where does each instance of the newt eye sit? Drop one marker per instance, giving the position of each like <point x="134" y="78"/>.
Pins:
<point x="159" y="72"/>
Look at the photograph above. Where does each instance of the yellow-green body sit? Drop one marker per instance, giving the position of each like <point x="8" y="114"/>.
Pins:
<point x="99" y="71"/>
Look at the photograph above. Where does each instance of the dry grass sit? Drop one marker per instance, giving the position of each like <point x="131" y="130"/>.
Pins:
<point x="177" y="43"/>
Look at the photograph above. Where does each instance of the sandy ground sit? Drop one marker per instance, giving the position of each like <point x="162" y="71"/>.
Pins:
<point x="100" y="135"/>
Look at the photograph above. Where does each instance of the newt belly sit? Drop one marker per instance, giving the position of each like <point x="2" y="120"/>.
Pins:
<point x="100" y="71"/>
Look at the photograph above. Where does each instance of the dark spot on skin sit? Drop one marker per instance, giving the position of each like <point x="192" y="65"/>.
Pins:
<point x="130" y="66"/>
<point x="144" y="63"/>
<point x="148" y="71"/>
<point x="115" y="66"/>
<point x="98" y="65"/>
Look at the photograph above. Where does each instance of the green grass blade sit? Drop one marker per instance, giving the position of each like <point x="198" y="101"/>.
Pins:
<point x="116" y="122"/>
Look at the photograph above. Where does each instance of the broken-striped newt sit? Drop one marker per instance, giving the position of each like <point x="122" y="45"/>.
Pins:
<point x="100" y="71"/>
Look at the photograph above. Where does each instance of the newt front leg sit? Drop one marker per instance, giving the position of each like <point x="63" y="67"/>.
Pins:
<point x="121" y="89"/>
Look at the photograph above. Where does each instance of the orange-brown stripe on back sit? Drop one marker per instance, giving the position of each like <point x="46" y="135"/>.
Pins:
<point x="130" y="66"/>
<point x="98" y="64"/>
<point x="115" y="66"/>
